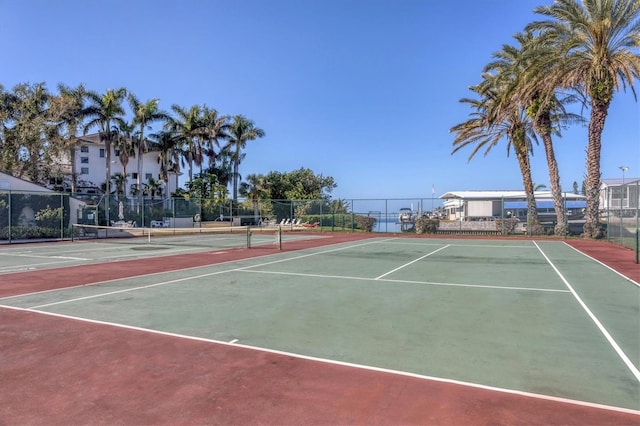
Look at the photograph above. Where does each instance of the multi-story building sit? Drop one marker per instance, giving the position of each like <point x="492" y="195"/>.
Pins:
<point x="90" y="170"/>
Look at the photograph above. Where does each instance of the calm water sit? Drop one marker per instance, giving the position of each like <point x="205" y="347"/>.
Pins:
<point x="387" y="225"/>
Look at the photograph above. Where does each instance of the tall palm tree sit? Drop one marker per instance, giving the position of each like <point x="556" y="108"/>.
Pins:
<point x="241" y="130"/>
<point x="143" y="115"/>
<point x="187" y="128"/>
<point x="216" y="127"/>
<point x="596" y="45"/>
<point x="493" y="119"/>
<point x="524" y="73"/>
<point x="104" y="111"/>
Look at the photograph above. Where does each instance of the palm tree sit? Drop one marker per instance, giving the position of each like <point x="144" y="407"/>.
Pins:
<point x="119" y="181"/>
<point x="216" y="128"/>
<point x="495" y="118"/>
<point x="105" y="110"/>
<point x="524" y="72"/>
<point x="168" y="156"/>
<point x="596" y="53"/>
<point x="143" y="115"/>
<point x="241" y="130"/>
<point x="255" y="188"/>
<point x="124" y="142"/>
<point x="187" y="128"/>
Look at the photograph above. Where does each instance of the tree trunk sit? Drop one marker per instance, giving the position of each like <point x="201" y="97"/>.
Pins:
<point x="592" y="228"/>
<point x="533" y="224"/>
<point x="544" y="129"/>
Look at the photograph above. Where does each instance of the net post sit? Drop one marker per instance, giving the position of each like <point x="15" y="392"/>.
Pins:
<point x="279" y="237"/>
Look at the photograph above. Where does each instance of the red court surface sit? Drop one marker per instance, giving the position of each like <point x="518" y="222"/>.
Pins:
<point x="62" y="371"/>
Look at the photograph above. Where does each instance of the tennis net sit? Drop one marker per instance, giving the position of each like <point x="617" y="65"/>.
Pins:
<point x="209" y="237"/>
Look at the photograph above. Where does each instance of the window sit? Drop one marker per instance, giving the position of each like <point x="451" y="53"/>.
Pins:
<point x="84" y="171"/>
<point x="84" y="160"/>
<point x="84" y="149"/>
<point x="148" y="176"/>
<point x="134" y="175"/>
<point x="101" y="152"/>
<point x="117" y="152"/>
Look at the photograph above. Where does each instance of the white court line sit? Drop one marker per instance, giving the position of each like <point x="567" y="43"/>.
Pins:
<point x="606" y="266"/>
<point x="413" y="261"/>
<point x="234" y="343"/>
<point x="597" y="322"/>
<point x="37" y="256"/>
<point x="551" y="290"/>
<point x="188" y="278"/>
<point x="497" y="246"/>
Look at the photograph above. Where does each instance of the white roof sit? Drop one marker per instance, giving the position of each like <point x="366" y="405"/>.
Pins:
<point x="497" y="195"/>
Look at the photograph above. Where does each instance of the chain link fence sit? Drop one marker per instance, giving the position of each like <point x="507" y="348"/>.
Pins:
<point x="44" y="215"/>
<point x="620" y="212"/>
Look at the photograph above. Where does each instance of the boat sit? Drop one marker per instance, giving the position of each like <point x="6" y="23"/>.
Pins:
<point x="405" y="215"/>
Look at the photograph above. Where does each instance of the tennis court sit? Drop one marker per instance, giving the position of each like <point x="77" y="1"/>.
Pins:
<point x="348" y="329"/>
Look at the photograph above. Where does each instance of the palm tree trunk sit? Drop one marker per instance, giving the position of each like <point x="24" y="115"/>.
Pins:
<point x="533" y="223"/>
<point x="236" y="166"/>
<point x="544" y="124"/>
<point x="592" y="227"/>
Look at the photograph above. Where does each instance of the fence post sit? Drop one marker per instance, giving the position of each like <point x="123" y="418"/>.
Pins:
<point x="61" y="216"/>
<point x="10" y="224"/>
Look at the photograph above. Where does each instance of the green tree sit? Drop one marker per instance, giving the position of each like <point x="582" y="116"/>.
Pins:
<point x="527" y="64"/>
<point x="103" y="111"/>
<point x="495" y="117"/>
<point x="187" y="128"/>
<point x="69" y="105"/>
<point x="241" y="130"/>
<point x="32" y="127"/>
<point x="123" y="140"/>
<point x="9" y="146"/>
<point x="215" y="130"/>
<point x="255" y="188"/>
<point x="168" y="156"/>
<point x="595" y="45"/>
<point x="143" y="115"/>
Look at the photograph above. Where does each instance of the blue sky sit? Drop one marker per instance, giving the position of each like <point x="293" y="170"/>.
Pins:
<point x="364" y="91"/>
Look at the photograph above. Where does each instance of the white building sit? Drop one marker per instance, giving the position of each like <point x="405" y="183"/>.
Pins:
<point x="620" y="195"/>
<point x="90" y="162"/>
<point x="488" y="205"/>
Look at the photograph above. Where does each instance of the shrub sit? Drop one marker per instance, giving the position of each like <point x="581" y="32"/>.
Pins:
<point x="425" y="225"/>
<point x="366" y="223"/>
<point x="508" y="223"/>
<point x="48" y="217"/>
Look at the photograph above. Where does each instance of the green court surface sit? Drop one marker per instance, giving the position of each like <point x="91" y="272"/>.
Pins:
<point x="528" y="316"/>
<point x="30" y="257"/>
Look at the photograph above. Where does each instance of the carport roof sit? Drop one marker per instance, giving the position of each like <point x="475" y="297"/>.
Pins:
<point x="498" y="195"/>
